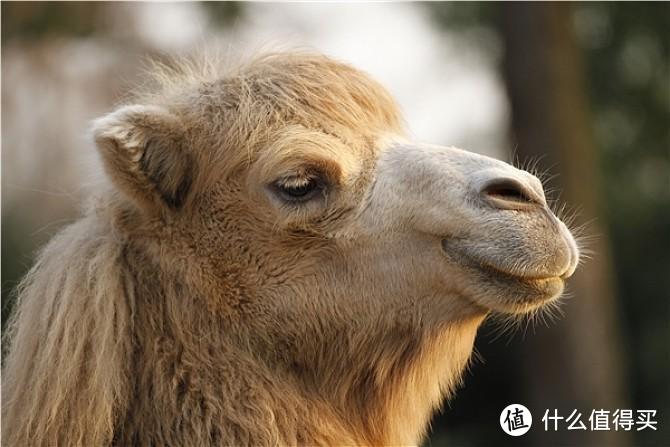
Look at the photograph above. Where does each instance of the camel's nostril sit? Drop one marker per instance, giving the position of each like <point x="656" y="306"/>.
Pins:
<point x="507" y="193"/>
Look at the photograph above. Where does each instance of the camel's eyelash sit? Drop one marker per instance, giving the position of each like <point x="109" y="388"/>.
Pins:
<point x="299" y="189"/>
<point x="296" y="181"/>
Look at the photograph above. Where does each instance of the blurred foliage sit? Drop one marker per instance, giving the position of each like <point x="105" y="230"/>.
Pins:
<point x="40" y="20"/>
<point x="626" y="54"/>
<point x="223" y="13"/>
<point x="13" y="248"/>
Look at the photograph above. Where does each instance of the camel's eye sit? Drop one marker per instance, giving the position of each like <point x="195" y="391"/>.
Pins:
<point x="298" y="189"/>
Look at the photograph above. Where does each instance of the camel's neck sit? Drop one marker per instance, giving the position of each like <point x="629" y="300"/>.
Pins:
<point x="369" y="385"/>
<point x="386" y="396"/>
<point x="385" y="391"/>
<point x="411" y="386"/>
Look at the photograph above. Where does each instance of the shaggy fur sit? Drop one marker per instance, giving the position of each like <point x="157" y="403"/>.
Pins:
<point x="191" y="305"/>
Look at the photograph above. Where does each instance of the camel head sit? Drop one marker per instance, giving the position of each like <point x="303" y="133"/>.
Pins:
<point x="287" y="199"/>
<point x="298" y="165"/>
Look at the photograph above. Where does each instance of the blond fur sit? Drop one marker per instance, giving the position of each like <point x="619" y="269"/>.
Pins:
<point x="186" y="308"/>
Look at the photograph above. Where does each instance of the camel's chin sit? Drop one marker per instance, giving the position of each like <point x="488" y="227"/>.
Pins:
<point x="518" y="295"/>
<point x="501" y="291"/>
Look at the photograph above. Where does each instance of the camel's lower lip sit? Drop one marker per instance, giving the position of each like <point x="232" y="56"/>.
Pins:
<point x="494" y="270"/>
<point x="500" y="290"/>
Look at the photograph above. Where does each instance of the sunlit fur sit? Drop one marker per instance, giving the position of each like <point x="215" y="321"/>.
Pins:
<point x="191" y="306"/>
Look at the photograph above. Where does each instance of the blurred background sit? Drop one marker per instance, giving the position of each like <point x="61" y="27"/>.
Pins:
<point x="579" y="90"/>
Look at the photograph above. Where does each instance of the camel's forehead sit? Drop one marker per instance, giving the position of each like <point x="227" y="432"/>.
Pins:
<point x="301" y="97"/>
<point x="334" y="90"/>
<point x="311" y="90"/>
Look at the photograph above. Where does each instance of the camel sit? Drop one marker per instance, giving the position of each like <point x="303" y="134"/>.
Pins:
<point x="271" y="261"/>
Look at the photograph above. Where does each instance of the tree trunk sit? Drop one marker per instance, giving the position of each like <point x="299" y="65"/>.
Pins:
<point x="575" y="363"/>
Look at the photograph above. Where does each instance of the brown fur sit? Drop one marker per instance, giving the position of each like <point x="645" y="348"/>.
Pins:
<point x="186" y="308"/>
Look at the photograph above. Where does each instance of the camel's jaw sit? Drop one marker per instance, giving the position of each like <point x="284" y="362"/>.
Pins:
<point x="497" y="288"/>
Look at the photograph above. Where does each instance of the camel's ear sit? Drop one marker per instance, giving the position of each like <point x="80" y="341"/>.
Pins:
<point x="144" y="153"/>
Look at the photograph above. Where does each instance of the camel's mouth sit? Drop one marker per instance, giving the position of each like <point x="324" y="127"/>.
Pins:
<point x="500" y="289"/>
